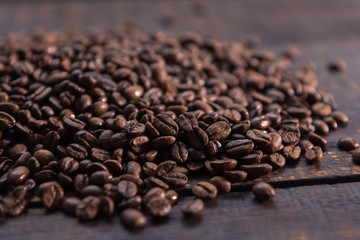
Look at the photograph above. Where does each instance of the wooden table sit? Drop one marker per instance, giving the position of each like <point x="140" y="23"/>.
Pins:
<point x="314" y="201"/>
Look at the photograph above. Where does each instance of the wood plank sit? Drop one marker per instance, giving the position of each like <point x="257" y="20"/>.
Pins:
<point x="316" y="212"/>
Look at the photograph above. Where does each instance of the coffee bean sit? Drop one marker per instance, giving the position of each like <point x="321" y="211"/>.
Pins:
<point x="127" y="189"/>
<point x="305" y="145"/>
<point x="290" y="134"/>
<point x="6" y="121"/>
<point x="321" y="127"/>
<point x="321" y="109"/>
<point x="51" y="194"/>
<point x="91" y="190"/>
<point x="100" y="178"/>
<point x="257" y="170"/>
<point x="314" y="155"/>
<point x="15" y="201"/>
<point x="44" y="176"/>
<point x="198" y="138"/>
<point x="235" y="175"/>
<point x="73" y="124"/>
<point x="263" y="191"/>
<point x="223" y="164"/>
<point x="158" y="207"/>
<point x="340" y="117"/>
<point x="179" y="152"/>
<point x="239" y="147"/>
<point x="260" y="138"/>
<point x="165" y="125"/>
<point x="260" y="123"/>
<point x="347" y="143"/>
<point x="204" y="190"/>
<point x="163" y="142"/>
<point x="69" y="204"/>
<point x="317" y="140"/>
<point x="88" y="208"/>
<point x="337" y="65"/>
<point x="291" y="153"/>
<point x="221" y="184"/>
<point x="276" y="160"/>
<point x="107" y="206"/>
<point x="192" y="208"/>
<point x="18" y="175"/>
<point x="218" y="131"/>
<point x="253" y="158"/>
<point x="133" y="219"/>
<point x="172" y="196"/>
<point x="356" y="156"/>
<point x="76" y="151"/>
<point x="44" y="156"/>
<point x="175" y="179"/>
<point x="164" y="168"/>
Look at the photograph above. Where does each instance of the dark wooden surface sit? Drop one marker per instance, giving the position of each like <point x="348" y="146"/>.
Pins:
<point x="323" y="30"/>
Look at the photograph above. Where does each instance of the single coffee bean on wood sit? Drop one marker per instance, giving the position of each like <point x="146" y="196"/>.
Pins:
<point x="192" y="208"/>
<point x="263" y="191"/>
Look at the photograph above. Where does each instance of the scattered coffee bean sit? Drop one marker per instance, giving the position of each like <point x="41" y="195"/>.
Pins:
<point x="205" y="190"/>
<point x="347" y="143"/>
<point x="314" y="155"/>
<point x="356" y="156"/>
<point x="132" y="218"/>
<point x="263" y="191"/>
<point x="337" y="65"/>
<point x="192" y="208"/>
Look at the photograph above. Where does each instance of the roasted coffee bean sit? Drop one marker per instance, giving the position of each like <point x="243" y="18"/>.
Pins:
<point x="276" y="160"/>
<point x="305" y="145"/>
<point x="149" y="169"/>
<point x="88" y="208"/>
<point x="291" y="153"/>
<point x="163" y="142"/>
<point x="204" y="190"/>
<point x="6" y="121"/>
<point x="257" y="170"/>
<point x="221" y="184"/>
<point x="153" y="192"/>
<point x="260" y="123"/>
<point x="192" y="208"/>
<point x="179" y="152"/>
<point x="172" y="196"/>
<point x="76" y="151"/>
<point x="164" y="168"/>
<point x="107" y="206"/>
<point x="223" y="164"/>
<point x="290" y="134"/>
<point x="99" y="155"/>
<point x="260" y="138"/>
<point x="198" y="138"/>
<point x="165" y="125"/>
<point x="133" y="168"/>
<point x="239" y="147"/>
<point x="133" y="202"/>
<point x="321" y="109"/>
<point x="347" y="143"/>
<point x="69" y="204"/>
<point x="356" y="156"/>
<point x="15" y="201"/>
<point x="91" y="190"/>
<point x="263" y="191"/>
<point x="100" y="178"/>
<point x="321" y="127"/>
<point x="133" y="219"/>
<point x="317" y="140"/>
<point x="235" y="175"/>
<point x="275" y="144"/>
<point x="44" y="176"/>
<point x="18" y="175"/>
<point x="175" y="179"/>
<point x="51" y="194"/>
<point x="253" y="158"/>
<point x="214" y="148"/>
<point x="73" y="124"/>
<point x="44" y="156"/>
<point x="16" y="150"/>
<point x="114" y="167"/>
<point x="241" y="127"/>
<point x="158" y="207"/>
<point x="218" y="131"/>
<point x="127" y="189"/>
<point x="340" y="117"/>
<point x="69" y="165"/>
<point x="337" y="65"/>
<point x="314" y="155"/>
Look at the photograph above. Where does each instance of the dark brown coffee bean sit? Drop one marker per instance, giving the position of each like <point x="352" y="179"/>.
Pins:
<point x="133" y="202"/>
<point x="260" y="123"/>
<point x="164" y="168"/>
<point x="214" y="148"/>
<point x="321" y="109"/>
<point x="317" y="140"/>
<point x="114" y="167"/>
<point x="305" y="145"/>
<point x="133" y="168"/>
<point x="91" y="190"/>
<point x="321" y="127"/>
<point x="165" y="125"/>
<point x="163" y="142"/>
<point x="192" y="208"/>
<point x="158" y="207"/>
<point x="340" y="117"/>
<point x="204" y="190"/>
<point x="44" y="156"/>
<point x="198" y="138"/>
<point x="356" y="156"/>
<point x="133" y="219"/>
<point x="73" y="124"/>
<point x="242" y="127"/>
<point x="51" y="194"/>
<point x="175" y="179"/>
<point x="107" y="206"/>
<point x="314" y="155"/>
<point x="260" y="138"/>
<point x="257" y="170"/>
<point x="222" y="185"/>
<point x="253" y="158"/>
<point x="127" y="189"/>
<point x="153" y="192"/>
<point x="99" y="155"/>
<point x="337" y="65"/>
<point x="6" y="121"/>
<point x="100" y="178"/>
<point x="18" y="175"/>
<point x="276" y="160"/>
<point x="69" y="205"/>
<point x="16" y="150"/>
<point x="44" y="176"/>
<point x="179" y="152"/>
<point x="239" y="147"/>
<point x="218" y="131"/>
<point x="291" y="153"/>
<point x="99" y="108"/>
<point x="299" y="112"/>
<point x="263" y="191"/>
<point x="290" y="134"/>
<point x="172" y="196"/>
<point x="9" y="108"/>
<point x="275" y="144"/>
<point x="88" y="208"/>
<point x="235" y="176"/>
<point x="347" y="143"/>
<point x="149" y="169"/>
<point x="76" y="151"/>
<point x="223" y="164"/>
<point x="16" y="201"/>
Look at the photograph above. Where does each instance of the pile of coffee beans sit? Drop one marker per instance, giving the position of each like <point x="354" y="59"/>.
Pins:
<point x="100" y="123"/>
